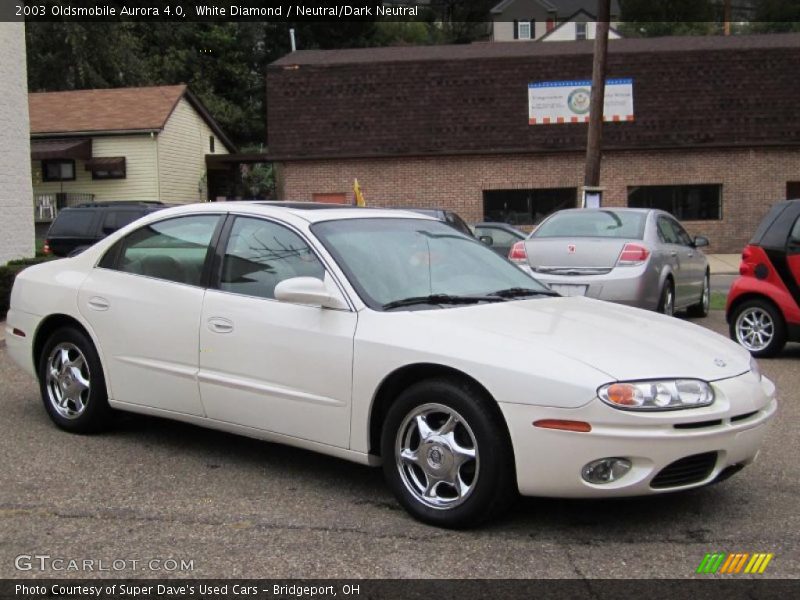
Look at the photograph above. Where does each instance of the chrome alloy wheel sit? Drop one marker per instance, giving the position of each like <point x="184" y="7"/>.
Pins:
<point x="67" y="379"/>
<point x="437" y="456"/>
<point x="669" y="302"/>
<point x="755" y="329"/>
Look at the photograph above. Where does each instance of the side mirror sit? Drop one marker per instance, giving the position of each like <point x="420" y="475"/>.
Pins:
<point x="310" y="290"/>
<point x="486" y="239"/>
<point x="700" y="241"/>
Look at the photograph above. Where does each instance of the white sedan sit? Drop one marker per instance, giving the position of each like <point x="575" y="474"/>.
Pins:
<point x="385" y="337"/>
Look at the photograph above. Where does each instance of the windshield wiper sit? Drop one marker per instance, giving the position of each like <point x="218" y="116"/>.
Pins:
<point x="519" y="292"/>
<point x="440" y="299"/>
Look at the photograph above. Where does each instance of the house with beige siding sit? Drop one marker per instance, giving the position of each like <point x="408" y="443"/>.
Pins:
<point x="126" y="144"/>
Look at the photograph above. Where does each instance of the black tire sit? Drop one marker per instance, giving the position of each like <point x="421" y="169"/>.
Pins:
<point x="771" y="325"/>
<point x="700" y="309"/>
<point x="95" y="413"/>
<point x="490" y="477"/>
<point x="666" y="302"/>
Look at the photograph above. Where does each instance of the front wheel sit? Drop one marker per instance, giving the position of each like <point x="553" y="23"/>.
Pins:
<point x="72" y="384"/>
<point x="700" y="309"/>
<point x="446" y="454"/>
<point x="758" y="326"/>
<point x="666" y="304"/>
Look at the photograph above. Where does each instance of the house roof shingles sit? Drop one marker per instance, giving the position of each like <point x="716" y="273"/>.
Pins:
<point x="119" y="109"/>
<point x="688" y="92"/>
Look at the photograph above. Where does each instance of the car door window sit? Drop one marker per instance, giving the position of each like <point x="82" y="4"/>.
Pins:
<point x="683" y="238"/>
<point x="173" y="249"/>
<point x="499" y="237"/>
<point x="666" y="233"/>
<point x="260" y="254"/>
<point x="458" y="223"/>
<point x="794" y="235"/>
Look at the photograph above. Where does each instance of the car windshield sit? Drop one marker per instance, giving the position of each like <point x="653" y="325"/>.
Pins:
<point x="593" y="223"/>
<point x="391" y="261"/>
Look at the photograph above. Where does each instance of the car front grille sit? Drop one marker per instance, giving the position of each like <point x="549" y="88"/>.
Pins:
<point x="688" y="470"/>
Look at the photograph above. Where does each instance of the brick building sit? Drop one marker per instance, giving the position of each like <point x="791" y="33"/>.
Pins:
<point x="715" y="140"/>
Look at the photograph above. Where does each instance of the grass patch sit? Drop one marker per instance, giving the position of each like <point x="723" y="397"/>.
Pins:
<point x="718" y="300"/>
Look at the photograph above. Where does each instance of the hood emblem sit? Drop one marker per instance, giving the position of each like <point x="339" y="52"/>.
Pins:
<point x="719" y="362"/>
<point x="571" y="249"/>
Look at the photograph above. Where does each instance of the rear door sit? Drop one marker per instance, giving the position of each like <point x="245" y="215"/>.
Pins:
<point x="143" y="302"/>
<point x="694" y="266"/>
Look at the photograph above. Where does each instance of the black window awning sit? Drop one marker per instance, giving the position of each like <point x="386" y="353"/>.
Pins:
<point x="80" y="148"/>
<point x="106" y="163"/>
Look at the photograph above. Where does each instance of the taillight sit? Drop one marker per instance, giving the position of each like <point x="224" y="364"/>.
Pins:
<point x="46" y="247"/>
<point x="633" y="254"/>
<point x="755" y="263"/>
<point x="518" y="253"/>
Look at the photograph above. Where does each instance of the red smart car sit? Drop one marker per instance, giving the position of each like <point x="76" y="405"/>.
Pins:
<point x="763" y="308"/>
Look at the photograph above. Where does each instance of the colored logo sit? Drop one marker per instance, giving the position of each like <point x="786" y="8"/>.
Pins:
<point x="571" y="248"/>
<point x="578" y="101"/>
<point x="741" y="562"/>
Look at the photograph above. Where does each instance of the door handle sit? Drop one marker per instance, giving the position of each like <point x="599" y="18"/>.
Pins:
<point x="98" y="303"/>
<point x="220" y="325"/>
<point x="691" y="254"/>
<point x="673" y="254"/>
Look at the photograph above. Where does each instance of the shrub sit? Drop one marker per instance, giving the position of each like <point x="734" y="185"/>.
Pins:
<point x="8" y="273"/>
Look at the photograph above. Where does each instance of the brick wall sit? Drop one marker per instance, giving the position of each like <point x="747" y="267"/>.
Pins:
<point x="16" y="196"/>
<point x="752" y="180"/>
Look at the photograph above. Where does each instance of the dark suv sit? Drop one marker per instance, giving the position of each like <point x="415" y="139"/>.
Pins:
<point x="78" y="227"/>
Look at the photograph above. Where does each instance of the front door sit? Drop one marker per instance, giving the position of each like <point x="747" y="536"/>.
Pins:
<point x="144" y="305"/>
<point x="267" y="364"/>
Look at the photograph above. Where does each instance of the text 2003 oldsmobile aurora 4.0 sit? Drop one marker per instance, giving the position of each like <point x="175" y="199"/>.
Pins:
<point x="385" y="336"/>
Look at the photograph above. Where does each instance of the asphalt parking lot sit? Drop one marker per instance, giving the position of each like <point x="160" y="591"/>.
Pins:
<point x="154" y="489"/>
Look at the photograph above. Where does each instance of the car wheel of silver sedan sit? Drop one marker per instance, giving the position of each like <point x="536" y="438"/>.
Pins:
<point x="666" y="304"/>
<point x="758" y="326"/>
<point x="446" y="453"/>
<point x="72" y="384"/>
<point x="700" y="309"/>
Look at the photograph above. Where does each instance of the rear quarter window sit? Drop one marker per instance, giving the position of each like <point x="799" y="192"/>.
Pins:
<point x="73" y="223"/>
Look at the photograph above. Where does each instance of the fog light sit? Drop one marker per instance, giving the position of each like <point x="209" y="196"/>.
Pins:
<point x="605" y="470"/>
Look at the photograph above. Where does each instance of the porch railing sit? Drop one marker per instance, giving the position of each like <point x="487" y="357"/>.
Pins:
<point x="46" y="206"/>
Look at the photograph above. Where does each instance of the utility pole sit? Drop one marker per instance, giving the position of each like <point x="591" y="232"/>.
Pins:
<point x="726" y="17"/>
<point x="595" y="138"/>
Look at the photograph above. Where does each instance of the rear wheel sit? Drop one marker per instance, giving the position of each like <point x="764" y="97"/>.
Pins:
<point x="758" y="326"/>
<point x="446" y="454"/>
<point x="666" y="305"/>
<point x="72" y="384"/>
<point x="701" y="308"/>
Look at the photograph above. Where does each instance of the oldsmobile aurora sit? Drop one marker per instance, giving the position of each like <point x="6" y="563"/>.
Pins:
<point x="385" y="337"/>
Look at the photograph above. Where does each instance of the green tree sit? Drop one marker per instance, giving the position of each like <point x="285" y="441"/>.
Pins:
<point x="645" y="18"/>
<point x="776" y="16"/>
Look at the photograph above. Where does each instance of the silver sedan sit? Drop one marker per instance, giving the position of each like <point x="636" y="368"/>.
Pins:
<point x="638" y="257"/>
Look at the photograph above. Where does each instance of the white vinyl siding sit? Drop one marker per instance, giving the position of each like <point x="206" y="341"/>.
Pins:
<point x="141" y="177"/>
<point x="182" y="147"/>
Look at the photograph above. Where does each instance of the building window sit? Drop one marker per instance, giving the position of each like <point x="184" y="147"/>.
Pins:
<point x="526" y="207"/>
<point x="58" y="170"/>
<point x="211" y="142"/>
<point x="580" y="31"/>
<point x="792" y="190"/>
<point x="524" y="30"/>
<point x="702" y="202"/>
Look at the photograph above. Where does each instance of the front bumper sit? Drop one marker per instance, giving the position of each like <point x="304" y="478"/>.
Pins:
<point x="549" y="462"/>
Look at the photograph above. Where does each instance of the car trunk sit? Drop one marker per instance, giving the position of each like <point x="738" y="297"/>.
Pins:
<point x="567" y="256"/>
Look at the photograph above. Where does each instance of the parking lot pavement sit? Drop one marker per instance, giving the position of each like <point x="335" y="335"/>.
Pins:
<point x="154" y="489"/>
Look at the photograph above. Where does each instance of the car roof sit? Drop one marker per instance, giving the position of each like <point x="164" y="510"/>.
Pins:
<point x="311" y="212"/>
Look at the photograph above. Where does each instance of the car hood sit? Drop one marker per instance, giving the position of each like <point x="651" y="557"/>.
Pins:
<point x="625" y="343"/>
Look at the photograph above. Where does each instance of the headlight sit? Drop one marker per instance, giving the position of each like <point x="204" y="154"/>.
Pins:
<point x="755" y="368"/>
<point x="657" y="395"/>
